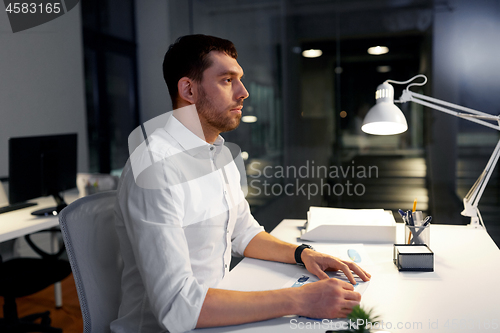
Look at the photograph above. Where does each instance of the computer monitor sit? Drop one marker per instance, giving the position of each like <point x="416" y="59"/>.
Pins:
<point x="41" y="166"/>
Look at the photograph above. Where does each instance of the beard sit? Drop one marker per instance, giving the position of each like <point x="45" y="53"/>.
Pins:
<point x="221" y="120"/>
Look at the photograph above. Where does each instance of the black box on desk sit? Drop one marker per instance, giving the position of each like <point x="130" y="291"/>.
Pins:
<point x="416" y="257"/>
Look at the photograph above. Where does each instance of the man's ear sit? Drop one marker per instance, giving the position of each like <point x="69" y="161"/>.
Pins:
<point x="186" y="89"/>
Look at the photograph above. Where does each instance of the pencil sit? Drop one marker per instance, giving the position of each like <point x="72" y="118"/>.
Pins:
<point x="413" y="211"/>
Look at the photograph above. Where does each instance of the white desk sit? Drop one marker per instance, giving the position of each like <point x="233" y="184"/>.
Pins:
<point x="461" y="295"/>
<point x="20" y="222"/>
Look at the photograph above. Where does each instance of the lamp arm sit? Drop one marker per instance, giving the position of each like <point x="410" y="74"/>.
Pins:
<point x="471" y="200"/>
<point x="450" y="105"/>
<point x="476" y="191"/>
<point x="410" y="96"/>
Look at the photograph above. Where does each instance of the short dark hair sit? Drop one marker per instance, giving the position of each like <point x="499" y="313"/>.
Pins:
<point x="188" y="57"/>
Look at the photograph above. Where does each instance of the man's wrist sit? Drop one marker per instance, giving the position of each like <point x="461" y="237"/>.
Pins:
<point x="295" y="305"/>
<point x="298" y="253"/>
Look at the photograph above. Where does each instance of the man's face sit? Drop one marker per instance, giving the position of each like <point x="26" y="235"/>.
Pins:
<point x="221" y="93"/>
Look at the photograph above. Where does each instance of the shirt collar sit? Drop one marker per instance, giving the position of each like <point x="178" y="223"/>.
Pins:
<point x="189" y="141"/>
<point x="219" y="142"/>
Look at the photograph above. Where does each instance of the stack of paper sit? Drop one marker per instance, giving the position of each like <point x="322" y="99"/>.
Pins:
<point x="350" y="225"/>
<point x="413" y="257"/>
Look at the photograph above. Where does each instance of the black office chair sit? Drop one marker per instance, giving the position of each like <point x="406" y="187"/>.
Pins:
<point x="25" y="276"/>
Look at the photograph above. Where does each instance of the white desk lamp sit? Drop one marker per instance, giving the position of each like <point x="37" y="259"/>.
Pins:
<point x="385" y="118"/>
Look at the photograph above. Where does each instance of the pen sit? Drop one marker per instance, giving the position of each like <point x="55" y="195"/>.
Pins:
<point x="317" y="319"/>
<point x="403" y="215"/>
<point x="409" y="215"/>
<point x="427" y="220"/>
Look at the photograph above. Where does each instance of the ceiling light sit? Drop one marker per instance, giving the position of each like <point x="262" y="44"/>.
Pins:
<point x="384" y="69"/>
<point x="378" y="50"/>
<point x="312" y="53"/>
<point x="249" y="119"/>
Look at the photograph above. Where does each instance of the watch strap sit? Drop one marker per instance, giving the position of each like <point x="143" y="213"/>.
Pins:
<point x="298" y="253"/>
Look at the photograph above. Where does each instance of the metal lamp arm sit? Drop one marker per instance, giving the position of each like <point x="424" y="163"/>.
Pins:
<point x="472" y="198"/>
<point x="475" y="193"/>
<point x="433" y="103"/>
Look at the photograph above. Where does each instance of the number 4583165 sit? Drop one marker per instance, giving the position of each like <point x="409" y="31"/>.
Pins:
<point x="33" y="8"/>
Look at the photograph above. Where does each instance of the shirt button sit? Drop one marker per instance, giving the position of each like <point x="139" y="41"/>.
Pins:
<point x="211" y="148"/>
<point x="225" y="266"/>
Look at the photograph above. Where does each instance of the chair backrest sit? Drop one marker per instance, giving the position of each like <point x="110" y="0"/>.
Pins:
<point x="92" y="244"/>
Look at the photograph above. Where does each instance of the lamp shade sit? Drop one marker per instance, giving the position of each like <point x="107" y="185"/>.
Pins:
<point x="384" y="118"/>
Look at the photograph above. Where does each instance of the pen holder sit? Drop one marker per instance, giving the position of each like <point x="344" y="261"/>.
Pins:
<point x="418" y="235"/>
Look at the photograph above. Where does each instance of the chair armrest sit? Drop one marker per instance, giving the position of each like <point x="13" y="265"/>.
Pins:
<point x="41" y="252"/>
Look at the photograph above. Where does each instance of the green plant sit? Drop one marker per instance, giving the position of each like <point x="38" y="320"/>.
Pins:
<point x="364" y="320"/>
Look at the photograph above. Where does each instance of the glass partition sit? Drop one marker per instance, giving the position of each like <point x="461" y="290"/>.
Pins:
<point x="307" y="111"/>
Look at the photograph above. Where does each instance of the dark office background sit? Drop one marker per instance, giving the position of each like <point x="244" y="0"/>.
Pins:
<point x="102" y="73"/>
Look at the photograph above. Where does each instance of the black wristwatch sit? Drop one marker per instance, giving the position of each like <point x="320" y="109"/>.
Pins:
<point x="298" y="252"/>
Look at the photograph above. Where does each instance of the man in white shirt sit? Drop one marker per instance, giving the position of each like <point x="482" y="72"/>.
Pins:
<point x="180" y="213"/>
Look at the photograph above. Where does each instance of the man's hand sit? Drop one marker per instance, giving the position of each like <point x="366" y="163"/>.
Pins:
<point x="329" y="298"/>
<point x="266" y="247"/>
<point x="317" y="263"/>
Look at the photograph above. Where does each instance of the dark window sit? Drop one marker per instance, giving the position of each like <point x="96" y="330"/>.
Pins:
<point x="110" y="81"/>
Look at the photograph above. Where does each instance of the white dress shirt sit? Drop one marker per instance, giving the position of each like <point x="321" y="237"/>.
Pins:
<point x="178" y="222"/>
